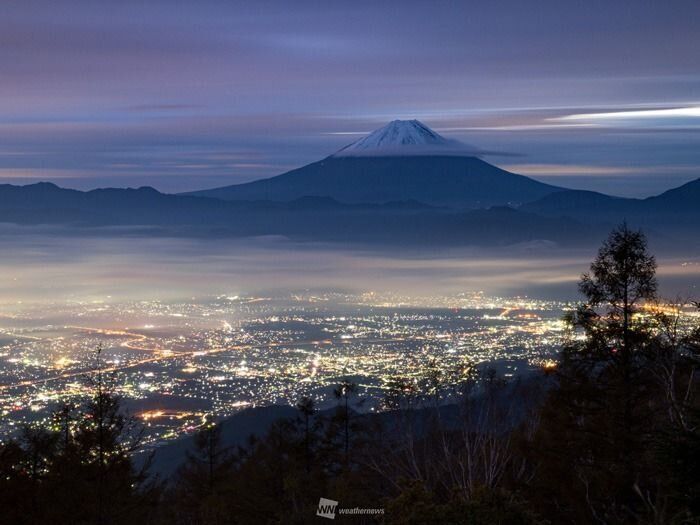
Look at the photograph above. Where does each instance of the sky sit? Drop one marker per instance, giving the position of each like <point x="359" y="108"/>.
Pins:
<point x="189" y="95"/>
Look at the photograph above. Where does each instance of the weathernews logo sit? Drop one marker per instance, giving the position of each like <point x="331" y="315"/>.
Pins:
<point x="328" y="508"/>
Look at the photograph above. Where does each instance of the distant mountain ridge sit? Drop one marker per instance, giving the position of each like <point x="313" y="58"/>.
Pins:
<point x="47" y="203"/>
<point x="683" y="201"/>
<point x="307" y="218"/>
<point x="567" y="217"/>
<point x="685" y="197"/>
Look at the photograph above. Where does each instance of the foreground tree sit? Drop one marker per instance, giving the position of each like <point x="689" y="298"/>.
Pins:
<point x="609" y="409"/>
<point x="343" y="392"/>
<point x="83" y="471"/>
<point x="199" y="491"/>
<point x="306" y="408"/>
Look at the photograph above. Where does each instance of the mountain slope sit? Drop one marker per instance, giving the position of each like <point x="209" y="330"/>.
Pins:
<point x="404" y="160"/>
<point x="681" y="201"/>
<point x="684" y="198"/>
<point x="465" y="182"/>
<point x="676" y="212"/>
<point x="576" y="203"/>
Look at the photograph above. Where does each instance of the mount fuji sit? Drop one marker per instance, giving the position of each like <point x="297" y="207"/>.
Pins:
<point x="402" y="161"/>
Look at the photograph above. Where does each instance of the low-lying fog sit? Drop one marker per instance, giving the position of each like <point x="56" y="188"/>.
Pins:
<point x="48" y="265"/>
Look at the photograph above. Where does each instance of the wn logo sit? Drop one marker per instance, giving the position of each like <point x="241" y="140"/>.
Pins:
<point x="326" y="508"/>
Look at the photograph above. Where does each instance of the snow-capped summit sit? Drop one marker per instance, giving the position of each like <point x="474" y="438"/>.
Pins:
<point x="405" y="137"/>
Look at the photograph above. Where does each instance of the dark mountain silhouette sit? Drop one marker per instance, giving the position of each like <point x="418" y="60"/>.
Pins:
<point x="685" y="198"/>
<point x="46" y="203"/>
<point x="306" y="218"/>
<point x="678" y="208"/>
<point x="573" y="202"/>
<point x="462" y="182"/>
<point x="404" y="160"/>
<point x="564" y="217"/>
<point x="236" y="430"/>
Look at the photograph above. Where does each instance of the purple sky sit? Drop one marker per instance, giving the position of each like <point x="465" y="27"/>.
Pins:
<point x="187" y="95"/>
